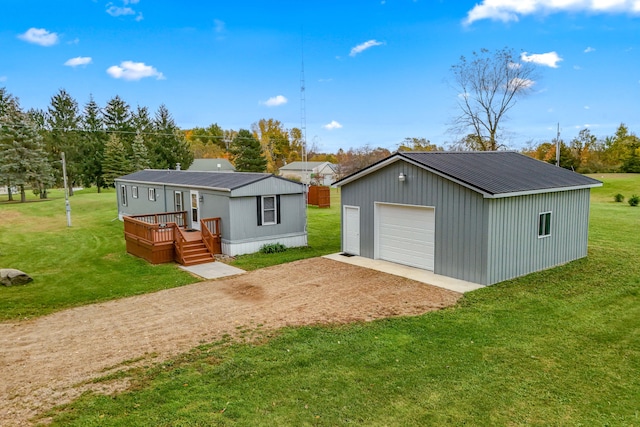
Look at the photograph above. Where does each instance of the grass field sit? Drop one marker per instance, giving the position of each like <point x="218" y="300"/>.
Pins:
<point x="559" y="347"/>
<point x="87" y="262"/>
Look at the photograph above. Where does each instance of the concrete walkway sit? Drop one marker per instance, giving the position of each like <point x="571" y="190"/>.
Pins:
<point x="213" y="270"/>
<point x="416" y="274"/>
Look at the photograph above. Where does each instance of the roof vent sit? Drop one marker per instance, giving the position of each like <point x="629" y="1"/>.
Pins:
<point x="177" y="166"/>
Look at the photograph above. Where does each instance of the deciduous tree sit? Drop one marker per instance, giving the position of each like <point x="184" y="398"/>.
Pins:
<point x="488" y="86"/>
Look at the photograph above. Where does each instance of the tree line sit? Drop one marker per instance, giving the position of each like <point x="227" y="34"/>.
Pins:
<point x="103" y="143"/>
<point x="100" y="144"/>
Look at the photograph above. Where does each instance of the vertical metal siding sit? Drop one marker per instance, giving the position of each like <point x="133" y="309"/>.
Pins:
<point x="460" y="230"/>
<point x="244" y="224"/>
<point x="514" y="247"/>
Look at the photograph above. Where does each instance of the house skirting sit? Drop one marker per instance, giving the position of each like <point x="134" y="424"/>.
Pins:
<point x="233" y="248"/>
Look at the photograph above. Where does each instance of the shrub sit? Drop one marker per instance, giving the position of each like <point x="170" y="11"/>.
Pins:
<point x="634" y="200"/>
<point x="272" y="248"/>
<point x="618" y="198"/>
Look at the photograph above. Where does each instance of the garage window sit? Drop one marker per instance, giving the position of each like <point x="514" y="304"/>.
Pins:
<point x="134" y="192"/>
<point x="544" y="224"/>
<point x="152" y="194"/>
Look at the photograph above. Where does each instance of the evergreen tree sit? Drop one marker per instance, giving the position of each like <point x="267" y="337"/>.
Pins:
<point x="140" y="154"/>
<point x="169" y="146"/>
<point x="118" y="119"/>
<point x="115" y="163"/>
<point x="247" y="153"/>
<point x="23" y="160"/>
<point x="93" y="141"/>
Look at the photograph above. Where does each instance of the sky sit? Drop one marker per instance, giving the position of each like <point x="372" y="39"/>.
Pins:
<point x="374" y="71"/>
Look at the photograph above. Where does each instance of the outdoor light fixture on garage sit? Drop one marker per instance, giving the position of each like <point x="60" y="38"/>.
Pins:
<point x="402" y="177"/>
<point x="201" y="198"/>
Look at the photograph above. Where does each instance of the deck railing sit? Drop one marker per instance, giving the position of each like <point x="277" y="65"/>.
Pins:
<point x="210" y="229"/>
<point x="179" y="218"/>
<point x="153" y="242"/>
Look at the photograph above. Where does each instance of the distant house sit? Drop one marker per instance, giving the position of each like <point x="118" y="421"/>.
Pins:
<point x="315" y="173"/>
<point x="254" y="209"/>
<point x="482" y="217"/>
<point x="212" y="165"/>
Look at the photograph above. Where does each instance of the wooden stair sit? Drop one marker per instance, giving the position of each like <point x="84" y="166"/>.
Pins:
<point x="196" y="252"/>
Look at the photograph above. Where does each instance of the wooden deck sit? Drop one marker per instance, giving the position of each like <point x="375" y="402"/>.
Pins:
<point x="160" y="238"/>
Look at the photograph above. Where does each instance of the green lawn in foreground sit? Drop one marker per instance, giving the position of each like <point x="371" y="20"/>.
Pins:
<point x="559" y="347"/>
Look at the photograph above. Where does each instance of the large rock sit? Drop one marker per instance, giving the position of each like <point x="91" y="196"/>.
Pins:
<point x="13" y="277"/>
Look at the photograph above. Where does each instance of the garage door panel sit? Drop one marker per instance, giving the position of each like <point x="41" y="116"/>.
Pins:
<point x="406" y="235"/>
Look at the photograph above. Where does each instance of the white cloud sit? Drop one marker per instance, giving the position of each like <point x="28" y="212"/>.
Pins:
<point x="80" y="60"/>
<point x="520" y="84"/>
<point x="119" y="11"/>
<point x="3" y="78"/>
<point x="589" y="49"/>
<point x="364" y="46"/>
<point x="124" y="10"/>
<point x="275" y="101"/>
<point x="550" y="59"/>
<point x="39" y="36"/>
<point x="129" y="70"/>
<point x="586" y="107"/>
<point x="333" y="125"/>
<point x="512" y="10"/>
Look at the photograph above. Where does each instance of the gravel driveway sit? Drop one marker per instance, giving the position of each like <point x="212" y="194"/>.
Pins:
<point x="48" y="360"/>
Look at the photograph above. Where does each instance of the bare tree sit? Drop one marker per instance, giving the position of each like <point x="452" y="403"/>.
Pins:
<point x="488" y="86"/>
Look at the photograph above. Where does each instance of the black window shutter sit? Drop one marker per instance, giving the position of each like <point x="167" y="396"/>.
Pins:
<point x="278" y="209"/>
<point x="259" y="203"/>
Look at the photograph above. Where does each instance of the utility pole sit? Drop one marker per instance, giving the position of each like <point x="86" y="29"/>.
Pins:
<point x="66" y="190"/>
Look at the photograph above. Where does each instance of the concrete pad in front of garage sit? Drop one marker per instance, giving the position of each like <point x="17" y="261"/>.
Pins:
<point x="412" y="273"/>
<point x="213" y="270"/>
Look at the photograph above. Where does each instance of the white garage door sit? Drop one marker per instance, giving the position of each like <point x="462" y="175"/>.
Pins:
<point x="406" y="234"/>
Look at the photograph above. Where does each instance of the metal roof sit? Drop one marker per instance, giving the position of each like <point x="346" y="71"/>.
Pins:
<point x="493" y="173"/>
<point x="225" y="181"/>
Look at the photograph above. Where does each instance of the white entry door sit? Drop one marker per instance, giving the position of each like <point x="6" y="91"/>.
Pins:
<point x="405" y="234"/>
<point x="194" y="210"/>
<point x="351" y="230"/>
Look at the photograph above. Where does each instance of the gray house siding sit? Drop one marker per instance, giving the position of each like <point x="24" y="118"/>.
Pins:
<point x="514" y="247"/>
<point x="269" y="186"/>
<point x="141" y="204"/>
<point x="244" y="211"/>
<point x="460" y="216"/>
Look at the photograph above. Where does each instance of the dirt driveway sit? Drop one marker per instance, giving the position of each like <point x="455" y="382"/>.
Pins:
<point x="47" y="361"/>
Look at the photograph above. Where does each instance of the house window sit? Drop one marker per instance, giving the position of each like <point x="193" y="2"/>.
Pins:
<point x="134" y="192"/>
<point x="178" y="202"/>
<point x="544" y="224"/>
<point x="268" y="210"/>
<point x="152" y="194"/>
<point x="123" y="195"/>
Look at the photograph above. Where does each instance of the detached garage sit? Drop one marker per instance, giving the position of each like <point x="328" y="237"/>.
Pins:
<point x="482" y="217"/>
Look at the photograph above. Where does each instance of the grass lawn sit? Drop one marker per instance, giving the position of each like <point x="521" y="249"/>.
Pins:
<point x="88" y="262"/>
<point x="75" y="265"/>
<point x="559" y="347"/>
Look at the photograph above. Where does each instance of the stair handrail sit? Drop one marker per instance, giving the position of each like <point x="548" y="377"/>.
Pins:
<point x="210" y="230"/>
<point x="179" y="240"/>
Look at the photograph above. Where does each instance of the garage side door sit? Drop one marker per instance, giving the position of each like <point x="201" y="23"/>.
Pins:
<point x="406" y="235"/>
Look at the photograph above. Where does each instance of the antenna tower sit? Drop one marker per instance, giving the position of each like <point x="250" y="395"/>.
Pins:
<point x="303" y="109"/>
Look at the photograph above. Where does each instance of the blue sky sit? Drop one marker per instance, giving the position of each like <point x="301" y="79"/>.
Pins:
<point x="375" y="71"/>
